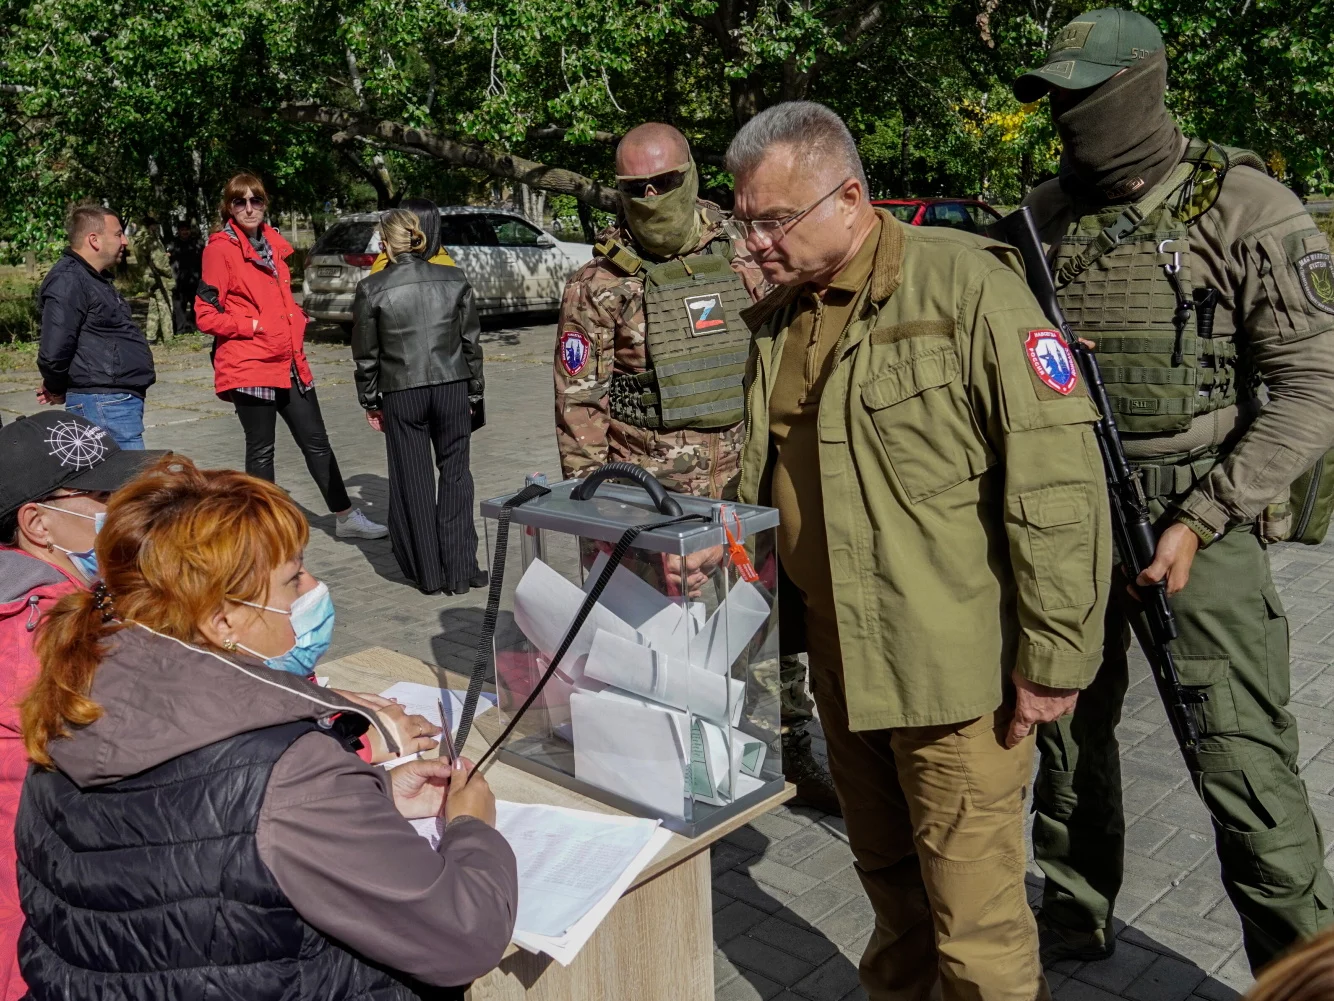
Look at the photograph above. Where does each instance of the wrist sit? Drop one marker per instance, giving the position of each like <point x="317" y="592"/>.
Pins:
<point x="1207" y="535"/>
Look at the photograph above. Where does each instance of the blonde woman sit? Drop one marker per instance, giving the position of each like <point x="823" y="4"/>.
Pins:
<point x="415" y="339"/>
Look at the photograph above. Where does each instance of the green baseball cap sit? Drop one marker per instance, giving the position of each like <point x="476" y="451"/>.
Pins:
<point x="1089" y="50"/>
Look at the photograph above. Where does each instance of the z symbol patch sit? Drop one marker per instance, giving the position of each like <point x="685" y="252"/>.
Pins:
<point x="574" y="351"/>
<point x="1316" y="274"/>
<point x="706" y="314"/>
<point x="1052" y="360"/>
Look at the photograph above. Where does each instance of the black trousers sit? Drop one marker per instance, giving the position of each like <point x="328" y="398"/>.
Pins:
<point x="430" y="523"/>
<point x="301" y="413"/>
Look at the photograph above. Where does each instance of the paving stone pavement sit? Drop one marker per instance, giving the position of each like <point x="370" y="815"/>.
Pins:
<point x="790" y="919"/>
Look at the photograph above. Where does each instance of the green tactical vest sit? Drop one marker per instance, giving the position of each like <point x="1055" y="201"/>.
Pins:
<point x="1115" y="292"/>
<point x="696" y="342"/>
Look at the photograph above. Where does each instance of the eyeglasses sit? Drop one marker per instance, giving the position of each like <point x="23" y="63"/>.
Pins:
<point x="239" y="204"/>
<point x="772" y="231"/>
<point x="636" y="185"/>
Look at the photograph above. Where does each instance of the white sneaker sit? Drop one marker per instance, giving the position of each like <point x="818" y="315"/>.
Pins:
<point x="357" y="526"/>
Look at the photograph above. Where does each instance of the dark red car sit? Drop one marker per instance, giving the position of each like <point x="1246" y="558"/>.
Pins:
<point x="969" y="214"/>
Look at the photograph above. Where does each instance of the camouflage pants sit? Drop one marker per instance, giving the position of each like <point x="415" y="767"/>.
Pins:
<point x="158" y="327"/>
<point x="795" y="704"/>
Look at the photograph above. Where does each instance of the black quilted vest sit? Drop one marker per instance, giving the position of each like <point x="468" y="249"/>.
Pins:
<point x="152" y="889"/>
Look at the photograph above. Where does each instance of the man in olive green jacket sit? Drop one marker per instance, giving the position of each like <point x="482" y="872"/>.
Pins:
<point x="927" y="439"/>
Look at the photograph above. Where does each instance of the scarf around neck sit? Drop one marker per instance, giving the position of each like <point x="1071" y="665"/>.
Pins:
<point x="1120" y="140"/>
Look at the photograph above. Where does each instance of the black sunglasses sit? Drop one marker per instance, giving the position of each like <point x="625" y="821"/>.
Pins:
<point x="635" y="187"/>
<point x="256" y="201"/>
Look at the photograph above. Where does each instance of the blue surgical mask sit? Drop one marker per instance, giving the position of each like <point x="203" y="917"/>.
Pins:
<point x="313" y="622"/>
<point x="86" y="561"/>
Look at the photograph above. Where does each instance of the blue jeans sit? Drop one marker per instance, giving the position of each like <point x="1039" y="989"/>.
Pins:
<point x="120" y="413"/>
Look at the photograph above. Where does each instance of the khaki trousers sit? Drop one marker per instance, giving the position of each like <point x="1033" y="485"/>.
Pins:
<point x="935" y="817"/>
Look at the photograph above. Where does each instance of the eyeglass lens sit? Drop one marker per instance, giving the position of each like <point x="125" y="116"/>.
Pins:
<point x="240" y="203"/>
<point x="662" y="183"/>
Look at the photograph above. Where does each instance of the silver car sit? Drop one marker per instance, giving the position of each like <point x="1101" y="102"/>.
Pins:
<point x="513" y="266"/>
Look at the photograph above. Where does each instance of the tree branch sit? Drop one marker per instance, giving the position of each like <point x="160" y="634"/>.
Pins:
<point x="14" y="88"/>
<point x="456" y="154"/>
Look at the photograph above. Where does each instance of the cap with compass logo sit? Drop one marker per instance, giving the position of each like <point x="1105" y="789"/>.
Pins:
<point x="54" y="450"/>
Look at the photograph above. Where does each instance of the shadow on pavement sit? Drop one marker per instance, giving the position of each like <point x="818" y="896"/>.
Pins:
<point x="1142" y="968"/>
<point x="757" y="935"/>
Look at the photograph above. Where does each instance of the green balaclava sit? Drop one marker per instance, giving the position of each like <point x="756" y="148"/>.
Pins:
<point x="1121" y="139"/>
<point x="666" y="225"/>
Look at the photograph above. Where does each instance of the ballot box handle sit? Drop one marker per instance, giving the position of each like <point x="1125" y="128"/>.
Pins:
<point x="662" y="500"/>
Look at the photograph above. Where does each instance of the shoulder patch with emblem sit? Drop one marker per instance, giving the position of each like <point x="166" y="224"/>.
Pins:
<point x="1315" y="272"/>
<point x="1052" y="361"/>
<point x="574" y="351"/>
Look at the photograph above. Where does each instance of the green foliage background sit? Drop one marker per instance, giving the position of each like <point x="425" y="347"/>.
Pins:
<point x="150" y="106"/>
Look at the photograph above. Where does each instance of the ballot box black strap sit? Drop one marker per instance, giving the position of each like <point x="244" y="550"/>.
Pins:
<point x="482" y="657"/>
<point x="614" y="559"/>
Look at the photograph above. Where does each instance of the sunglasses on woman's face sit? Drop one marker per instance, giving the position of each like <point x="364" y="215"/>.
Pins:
<point x="635" y="187"/>
<point x="239" y="204"/>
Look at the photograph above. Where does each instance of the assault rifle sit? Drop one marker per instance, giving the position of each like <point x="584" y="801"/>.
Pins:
<point x="1132" y="528"/>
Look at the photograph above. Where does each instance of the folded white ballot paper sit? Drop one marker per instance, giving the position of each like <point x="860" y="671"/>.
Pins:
<point x="658" y="676"/>
<point x="573" y="866"/>
<point x="730" y="628"/>
<point x="545" y="604"/>
<point x="633" y="751"/>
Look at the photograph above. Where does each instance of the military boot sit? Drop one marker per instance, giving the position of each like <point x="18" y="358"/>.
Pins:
<point x="1057" y="942"/>
<point x="814" y="785"/>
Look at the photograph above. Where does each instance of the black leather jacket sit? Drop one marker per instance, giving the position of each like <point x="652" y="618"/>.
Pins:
<point x="415" y="324"/>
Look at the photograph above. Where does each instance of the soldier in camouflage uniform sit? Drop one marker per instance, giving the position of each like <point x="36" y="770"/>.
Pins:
<point x="1199" y="279"/>
<point x="153" y="264"/>
<point x="602" y="333"/>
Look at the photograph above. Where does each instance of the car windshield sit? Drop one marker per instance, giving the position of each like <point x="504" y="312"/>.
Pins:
<point x="951" y="214"/>
<point x="346" y="238"/>
<point x="903" y="213"/>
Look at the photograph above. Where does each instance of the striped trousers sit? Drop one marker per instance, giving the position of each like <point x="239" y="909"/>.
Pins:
<point x="430" y="523"/>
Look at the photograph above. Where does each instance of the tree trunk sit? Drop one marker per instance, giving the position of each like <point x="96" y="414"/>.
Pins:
<point x="747" y="100"/>
<point x="905" y="151"/>
<point x="586" y="220"/>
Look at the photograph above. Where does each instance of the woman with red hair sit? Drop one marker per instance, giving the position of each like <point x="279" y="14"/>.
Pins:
<point x="259" y="361"/>
<point x="196" y="825"/>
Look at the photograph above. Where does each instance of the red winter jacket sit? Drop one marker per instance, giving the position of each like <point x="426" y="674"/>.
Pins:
<point x="236" y="289"/>
<point x="28" y="589"/>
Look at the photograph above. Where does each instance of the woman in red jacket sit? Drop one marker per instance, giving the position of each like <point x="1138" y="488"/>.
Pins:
<point x="259" y="365"/>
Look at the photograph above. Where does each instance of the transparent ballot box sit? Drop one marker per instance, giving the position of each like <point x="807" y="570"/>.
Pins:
<point x="665" y="702"/>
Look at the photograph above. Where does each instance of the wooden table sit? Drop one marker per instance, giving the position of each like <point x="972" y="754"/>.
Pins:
<point x="657" y="942"/>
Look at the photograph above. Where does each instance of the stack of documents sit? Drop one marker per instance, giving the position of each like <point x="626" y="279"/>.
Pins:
<point x="655" y="713"/>
<point x="573" y="867"/>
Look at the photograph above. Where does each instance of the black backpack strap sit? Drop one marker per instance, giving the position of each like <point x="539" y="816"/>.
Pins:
<point x="482" y="657"/>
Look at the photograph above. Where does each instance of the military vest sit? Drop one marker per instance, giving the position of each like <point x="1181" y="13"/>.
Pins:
<point x="1124" y="281"/>
<point x="695" y="340"/>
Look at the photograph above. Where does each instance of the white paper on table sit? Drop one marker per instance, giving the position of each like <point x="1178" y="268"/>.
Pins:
<point x="657" y="676"/>
<point x="545" y="604"/>
<point x="631" y="751"/>
<point x="567" y="947"/>
<point x="422" y="700"/>
<point x="731" y="628"/>
<point x="567" y="859"/>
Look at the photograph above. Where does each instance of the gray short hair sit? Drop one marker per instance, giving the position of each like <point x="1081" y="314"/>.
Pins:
<point x="813" y="130"/>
